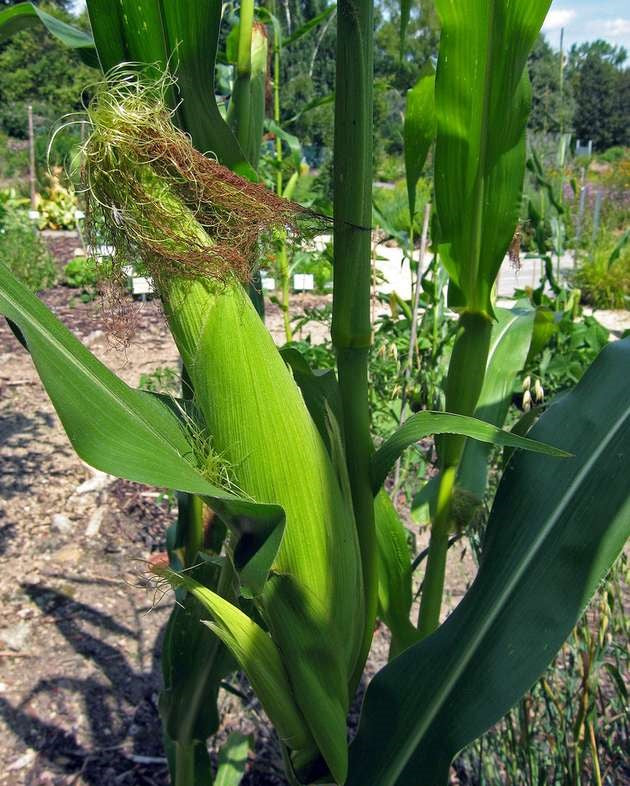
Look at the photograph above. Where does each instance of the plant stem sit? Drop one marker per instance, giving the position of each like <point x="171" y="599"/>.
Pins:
<point x="190" y="519"/>
<point x="463" y="386"/>
<point x="185" y="764"/>
<point x="283" y="261"/>
<point x="243" y="75"/>
<point x="351" y="327"/>
<point x="433" y="584"/>
<point x="276" y="102"/>
<point x="414" y="321"/>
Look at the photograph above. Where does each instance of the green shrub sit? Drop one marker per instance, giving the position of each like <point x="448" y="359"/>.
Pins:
<point x="316" y="263"/>
<point x="163" y="379"/>
<point x="393" y="207"/>
<point x="23" y="251"/>
<point x="80" y="273"/>
<point x="614" y="154"/>
<point x="605" y="281"/>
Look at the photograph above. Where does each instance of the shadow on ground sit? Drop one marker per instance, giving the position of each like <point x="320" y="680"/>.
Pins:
<point x="24" y="461"/>
<point x="118" y="701"/>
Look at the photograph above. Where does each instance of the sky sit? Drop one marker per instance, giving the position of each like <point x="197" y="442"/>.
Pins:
<point x="586" y="20"/>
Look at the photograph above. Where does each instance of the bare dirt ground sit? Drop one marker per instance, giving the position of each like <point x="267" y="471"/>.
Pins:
<point x="79" y="640"/>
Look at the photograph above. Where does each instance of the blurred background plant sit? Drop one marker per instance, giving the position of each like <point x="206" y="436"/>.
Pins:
<point x="81" y="273"/>
<point x="22" y="249"/>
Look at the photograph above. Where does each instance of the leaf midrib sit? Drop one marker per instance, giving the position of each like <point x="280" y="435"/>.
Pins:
<point x="480" y="184"/>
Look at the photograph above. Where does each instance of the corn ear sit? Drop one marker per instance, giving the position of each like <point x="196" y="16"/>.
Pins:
<point x="313" y="601"/>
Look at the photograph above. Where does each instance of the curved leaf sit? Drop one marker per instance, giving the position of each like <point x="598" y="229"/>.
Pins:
<point x="395" y="594"/>
<point x="509" y="346"/>
<point x="194" y="662"/>
<point x="551" y="537"/>
<point x="291" y="140"/>
<point x="425" y="423"/>
<point x="232" y="759"/>
<point x="131" y="433"/>
<point x="308" y="26"/>
<point x="482" y="100"/>
<point x="25" y="15"/>
<point x="257" y="655"/>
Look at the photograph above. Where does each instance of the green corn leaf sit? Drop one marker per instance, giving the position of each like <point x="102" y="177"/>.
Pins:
<point x="259" y="658"/>
<point x="316" y="672"/>
<point x="183" y="36"/>
<point x="246" y="110"/>
<point x="233" y="759"/>
<point x="422" y="424"/>
<point x="405" y="13"/>
<point x="310" y="25"/>
<point x="308" y="107"/>
<point x="395" y="593"/>
<point x="509" y="346"/>
<point x="131" y="433"/>
<point x="482" y="99"/>
<point x="319" y="389"/>
<point x="418" y="131"/>
<point x="545" y="326"/>
<point x="289" y="189"/>
<point x="423" y="503"/>
<point x="554" y="531"/>
<point x="193" y="663"/>
<point x="291" y="140"/>
<point x="26" y="15"/>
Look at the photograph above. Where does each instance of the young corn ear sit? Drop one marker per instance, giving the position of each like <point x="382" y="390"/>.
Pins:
<point x="312" y="602"/>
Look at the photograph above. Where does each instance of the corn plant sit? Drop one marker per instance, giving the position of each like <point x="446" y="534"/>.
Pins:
<point x="286" y="546"/>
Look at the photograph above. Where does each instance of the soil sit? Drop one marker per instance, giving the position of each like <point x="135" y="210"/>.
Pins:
<point x="79" y="638"/>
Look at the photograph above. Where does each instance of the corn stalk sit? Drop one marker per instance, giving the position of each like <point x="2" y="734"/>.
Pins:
<point x="351" y="325"/>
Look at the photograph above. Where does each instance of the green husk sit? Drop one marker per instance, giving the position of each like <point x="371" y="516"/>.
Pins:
<point x="196" y="228"/>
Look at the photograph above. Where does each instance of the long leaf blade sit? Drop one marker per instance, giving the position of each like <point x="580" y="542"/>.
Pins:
<point x="23" y="16"/>
<point x="418" y="131"/>
<point x="509" y="345"/>
<point x="308" y="26"/>
<point x="422" y="424"/>
<point x="482" y="100"/>
<point x="127" y="432"/>
<point x="551" y="537"/>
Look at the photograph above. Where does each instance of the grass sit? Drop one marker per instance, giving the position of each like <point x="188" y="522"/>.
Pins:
<point x="24" y="252"/>
<point x="572" y="727"/>
<point x="605" y="284"/>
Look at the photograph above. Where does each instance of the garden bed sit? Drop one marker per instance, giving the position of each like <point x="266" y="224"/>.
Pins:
<point x="79" y="639"/>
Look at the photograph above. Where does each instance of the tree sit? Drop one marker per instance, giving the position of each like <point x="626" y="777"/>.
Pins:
<point x="600" y="85"/>
<point x="552" y="106"/>
<point x="615" y="55"/>
<point x="621" y="117"/>
<point x="37" y="69"/>
<point x="66" y="5"/>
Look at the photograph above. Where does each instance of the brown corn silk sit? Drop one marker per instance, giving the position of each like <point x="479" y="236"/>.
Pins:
<point x="142" y="177"/>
